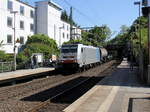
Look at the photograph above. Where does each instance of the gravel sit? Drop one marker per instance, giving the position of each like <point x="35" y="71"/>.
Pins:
<point x="25" y="96"/>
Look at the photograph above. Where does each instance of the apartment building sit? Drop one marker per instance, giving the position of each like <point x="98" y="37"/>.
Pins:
<point x="44" y="18"/>
<point x="49" y="22"/>
<point x="24" y="23"/>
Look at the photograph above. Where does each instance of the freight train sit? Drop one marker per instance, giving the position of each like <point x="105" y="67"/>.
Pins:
<point x="79" y="56"/>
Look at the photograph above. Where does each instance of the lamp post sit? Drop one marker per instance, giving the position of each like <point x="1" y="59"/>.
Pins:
<point x="146" y="12"/>
<point x="14" y="28"/>
<point x="140" y="46"/>
<point x="139" y="4"/>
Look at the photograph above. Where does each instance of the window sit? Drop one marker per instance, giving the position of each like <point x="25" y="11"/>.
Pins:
<point x="67" y="28"/>
<point x="9" y="39"/>
<point x="22" y="10"/>
<point x="21" y="40"/>
<point x="69" y="50"/>
<point x="67" y="36"/>
<point x="63" y="26"/>
<point x="21" y="24"/>
<point x="9" y="21"/>
<point x="63" y="35"/>
<point x="31" y="14"/>
<point x="10" y="5"/>
<point x="31" y="27"/>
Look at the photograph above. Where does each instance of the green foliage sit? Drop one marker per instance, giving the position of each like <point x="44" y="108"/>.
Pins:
<point x="21" y="57"/>
<point x="5" y="57"/>
<point x="66" y="18"/>
<point x="124" y="29"/>
<point x="122" y="38"/>
<point x="95" y="37"/>
<point x="78" y="42"/>
<point x="41" y="38"/>
<point x="98" y="35"/>
<point x="139" y="24"/>
<point x="40" y="48"/>
<point x="132" y="35"/>
<point x="2" y="56"/>
<point x="38" y="43"/>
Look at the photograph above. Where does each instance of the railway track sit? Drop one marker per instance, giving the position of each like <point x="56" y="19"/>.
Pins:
<point x="12" y="92"/>
<point x="26" y="88"/>
<point x="22" y="95"/>
<point x="60" y="95"/>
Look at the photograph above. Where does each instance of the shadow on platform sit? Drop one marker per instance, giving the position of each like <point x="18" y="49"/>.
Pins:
<point x="49" y="93"/>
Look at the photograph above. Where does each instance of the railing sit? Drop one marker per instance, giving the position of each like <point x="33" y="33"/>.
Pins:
<point x="6" y="66"/>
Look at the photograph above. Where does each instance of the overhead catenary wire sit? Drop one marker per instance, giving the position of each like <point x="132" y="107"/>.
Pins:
<point x="98" y="19"/>
<point x="79" y="12"/>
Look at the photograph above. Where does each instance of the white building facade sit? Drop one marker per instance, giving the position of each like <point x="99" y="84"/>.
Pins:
<point x="45" y="18"/>
<point x="24" y="23"/>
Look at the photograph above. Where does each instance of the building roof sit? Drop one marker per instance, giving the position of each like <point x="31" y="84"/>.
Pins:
<point x="25" y="3"/>
<point x="54" y="5"/>
<point x="50" y="3"/>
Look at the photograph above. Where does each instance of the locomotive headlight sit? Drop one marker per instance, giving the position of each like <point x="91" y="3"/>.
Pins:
<point x="75" y="61"/>
<point x="62" y="61"/>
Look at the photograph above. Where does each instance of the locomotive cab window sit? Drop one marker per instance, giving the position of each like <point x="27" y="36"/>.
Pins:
<point x="69" y="50"/>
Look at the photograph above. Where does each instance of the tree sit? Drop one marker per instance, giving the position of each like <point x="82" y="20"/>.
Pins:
<point x="68" y="19"/>
<point x="38" y="43"/>
<point x="122" y="37"/>
<point x="95" y="37"/>
<point x="42" y="39"/>
<point x="64" y="16"/>
<point x="78" y="42"/>
<point x="132" y="35"/>
<point x="124" y="29"/>
<point x="98" y="35"/>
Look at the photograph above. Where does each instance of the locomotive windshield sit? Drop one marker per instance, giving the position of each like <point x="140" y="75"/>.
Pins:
<point x="69" y="49"/>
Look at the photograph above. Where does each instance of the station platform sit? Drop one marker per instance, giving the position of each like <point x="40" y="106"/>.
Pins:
<point x="119" y="92"/>
<point x="22" y="74"/>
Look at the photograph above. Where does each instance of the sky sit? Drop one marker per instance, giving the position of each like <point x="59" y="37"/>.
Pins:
<point x="88" y="13"/>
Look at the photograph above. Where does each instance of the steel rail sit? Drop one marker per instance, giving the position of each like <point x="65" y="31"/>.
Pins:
<point x="61" y="93"/>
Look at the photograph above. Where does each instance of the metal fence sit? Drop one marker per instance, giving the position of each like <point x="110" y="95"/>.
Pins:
<point x="6" y="66"/>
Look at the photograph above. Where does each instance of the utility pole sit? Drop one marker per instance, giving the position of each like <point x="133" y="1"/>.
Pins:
<point x="146" y="12"/>
<point x="140" y="44"/>
<point x="14" y="12"/>
<point x="149" y="47"/>
<point x="71" y="23"/>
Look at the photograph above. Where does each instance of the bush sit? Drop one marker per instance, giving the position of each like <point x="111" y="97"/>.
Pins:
<point x="5" y="57"/>
<point x="78" y="42"/>
<point x="2" y="56"/>
<point x="38" y="43"/>
<point x="39" y="48"/>
<point x="41" y="38"/>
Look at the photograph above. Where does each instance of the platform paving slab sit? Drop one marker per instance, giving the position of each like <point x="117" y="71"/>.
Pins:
<point x="7" y="76"/>
<point x="119" y="92"/>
